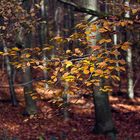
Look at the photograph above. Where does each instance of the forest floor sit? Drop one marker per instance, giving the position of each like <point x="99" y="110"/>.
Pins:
<point x="50" y="122"/>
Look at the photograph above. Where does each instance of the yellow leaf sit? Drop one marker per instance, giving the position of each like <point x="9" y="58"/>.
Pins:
<point x="68" y="51"/>
<point x="80" y="79"/>
<point x="85" y="67"/>
<point x="68" y="64"/>
<point x="108" y="40"/>
<point x="125" y="46"/>
<point x="114" y="77"/>
<point x="77" y="51"/>
<point x="122" y="23"/>
<point x="102" y="30"/>
<point x="99" y="72"/>
<point x="104" y="41"/>
<point x="27" y="55"/>
<point x="62" y="69"/>
<point x="1" y="52"/>
<point x="116" y="52"/>
<point x="86" y="71"/>
<point x="101" y="41"/>
<point x="94" y="28"/>
<point x="88" y="83"/>
<point x="96" y="47"/>
<point x="15" y="49"/>
<point x="74" y="70"/>
<point x="55" y="79"/>
<point x="28" y="64"/>
<point x="111" y="67"/>
<point x="52" y="77"/>
<point x="122" y="61"/>
<point x="106" y="77"/>
<point x="56" y="63"/>
<point x="122" y="69"/>
<point x="88" y="32"/>
<point x="96" y="84"/>
<point x="134" y="11"/>
<point x="91" y="69"/>
<point x="102" y="64"/>
<point x="58" y="39"/>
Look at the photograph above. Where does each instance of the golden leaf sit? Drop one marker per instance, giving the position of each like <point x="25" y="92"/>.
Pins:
<point x="27" y="55"/>
<point x="94" y="28"/>
<point x="85" y="67"/>
<point x="111" y="67"/>
<point x="102" y="30"/>
<point x="99" y="72"/>
<point x="68" y="51"/>
<point x="116" y="52"/>
<point x="114" y="77"/>
<point x="86" y="71"/>
<point x="15" y="49"/>
<point x="108" y="40"/>
<point x="96" y="47"/>
<point x="134" y="11"/>
<point x="88" y="83"/>
<point x="125" y="46"/>
<point x="91" y="69"/>
<point x="68" y="64"/>
<point x="122" y="61"/>
<point x="1" y="52"/>
<point x="102" y="64"/>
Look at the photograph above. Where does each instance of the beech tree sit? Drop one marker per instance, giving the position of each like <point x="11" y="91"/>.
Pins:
<point x="12" y="28"/>
<point x="96" y="73"/>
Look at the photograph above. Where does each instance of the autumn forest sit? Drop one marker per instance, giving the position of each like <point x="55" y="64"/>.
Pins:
<point x="69" y="69"/>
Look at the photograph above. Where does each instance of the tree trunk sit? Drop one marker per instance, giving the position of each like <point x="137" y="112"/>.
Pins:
<point x="31" y="107"/>
<point x="28" y="93"/>
<point x="26" y="39"/>
<point x="130" y="85"/>
<point x="10" y="76"/>
<point x="103" y="116"/>
<point x="44" y="35"/>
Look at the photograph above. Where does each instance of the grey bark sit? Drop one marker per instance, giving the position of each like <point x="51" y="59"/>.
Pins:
<point x="43" y="32"/>
<point x="26" y="40"/>
<point x="31" y="107"/>
<point x="103" y="116"/>
<point x="10" y="76"/>
<point x="130" y="85"/>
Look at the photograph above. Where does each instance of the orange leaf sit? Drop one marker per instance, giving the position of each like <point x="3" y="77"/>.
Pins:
<point x="96" y="47"/>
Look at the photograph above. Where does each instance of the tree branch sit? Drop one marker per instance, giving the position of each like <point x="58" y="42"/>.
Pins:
<point x="85" y="10"/>
<point x="100" y="15"/>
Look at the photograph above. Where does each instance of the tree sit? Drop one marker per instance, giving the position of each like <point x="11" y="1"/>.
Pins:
<point x="100" y="66"/>
<point x="26" y="40"/>
<point x="104" y="123"/>
<point x="130" y="87"/>
<point x="10" y="30"/>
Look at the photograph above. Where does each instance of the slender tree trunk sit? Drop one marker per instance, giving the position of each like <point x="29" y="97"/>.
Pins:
<point x="10" y="76"/>
<point x="115" y="41"/>
<point x="43" y="35"/>
<point x="26" y="41"/>
<point x="31" y="107"/>
<point x="130" y="85"/>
